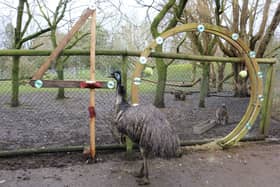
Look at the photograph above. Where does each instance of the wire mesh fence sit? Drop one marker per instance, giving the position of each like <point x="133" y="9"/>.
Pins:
<point x="44" y="120"/>
<point x="276" y="94"/>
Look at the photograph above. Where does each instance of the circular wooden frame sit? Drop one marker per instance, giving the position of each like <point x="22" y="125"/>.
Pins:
<point x="252" y="67"/>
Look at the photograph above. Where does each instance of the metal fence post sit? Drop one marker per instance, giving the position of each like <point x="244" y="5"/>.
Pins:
<point x="267" y="103"/>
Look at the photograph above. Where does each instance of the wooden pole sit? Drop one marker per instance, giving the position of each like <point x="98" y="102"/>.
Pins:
<point x="76" y="52"/>
<point x="92" y="91"/>
<point x="124" y="71"/>
<point x="267" y="103"/>
<point x="108" y="147"/>
<point x="62" y="44"/>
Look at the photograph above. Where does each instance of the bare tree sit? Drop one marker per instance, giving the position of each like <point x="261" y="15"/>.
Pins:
<point x="176" y="11"/>
<point x="53" y="18"/>
<point x="244" y="20"/>
<point x="20" y="37"/>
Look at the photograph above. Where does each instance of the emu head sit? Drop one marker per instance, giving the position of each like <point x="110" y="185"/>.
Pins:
<point x="121" y="91"/>
<point x="117" y="76"/>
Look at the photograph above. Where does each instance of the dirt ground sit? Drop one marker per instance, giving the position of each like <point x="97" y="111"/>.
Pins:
<point x="42" y="121"/>
<point x="53" y="123"/>
<point x="248" y="165"/>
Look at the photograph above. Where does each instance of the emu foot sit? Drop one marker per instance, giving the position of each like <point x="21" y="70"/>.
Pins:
<point x="138" y="174"/>
<point x="143" y="181"/>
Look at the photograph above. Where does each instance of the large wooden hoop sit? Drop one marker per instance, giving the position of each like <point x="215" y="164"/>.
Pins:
<point x="256" y="98"/>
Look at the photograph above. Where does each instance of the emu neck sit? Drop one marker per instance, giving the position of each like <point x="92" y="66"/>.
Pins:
<point x="121" y="102"/>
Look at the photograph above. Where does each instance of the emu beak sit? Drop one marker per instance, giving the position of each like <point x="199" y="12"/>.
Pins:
<point x="110" y="76"/>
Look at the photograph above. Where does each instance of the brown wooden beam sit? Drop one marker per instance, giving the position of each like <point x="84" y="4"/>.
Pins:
<point x="62" y="44"/>
<point x="198" y="58"/>
<point x="70" y="84"/>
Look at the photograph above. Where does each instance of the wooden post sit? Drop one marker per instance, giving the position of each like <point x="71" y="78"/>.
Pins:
<point x="92" y="91"/>
<point x="124" y="71"/>
<point x="267" y="103"/>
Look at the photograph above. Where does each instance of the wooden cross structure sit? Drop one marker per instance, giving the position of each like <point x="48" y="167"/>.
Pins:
<point x="92" y="84"/>
<point x="255" y="75"/>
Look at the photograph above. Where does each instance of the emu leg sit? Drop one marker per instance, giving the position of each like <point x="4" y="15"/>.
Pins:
<point x="139" y="174"/>
<point x="145" y="179"/>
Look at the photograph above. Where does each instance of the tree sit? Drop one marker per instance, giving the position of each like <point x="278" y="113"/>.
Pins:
<point x="53" y="22"/>
<point x="241" y="18"/>
<point x="20" y="37"/>
<point x="256" y="33"/>
<point x="203" y="44"/>
<point x="176" y="10"/>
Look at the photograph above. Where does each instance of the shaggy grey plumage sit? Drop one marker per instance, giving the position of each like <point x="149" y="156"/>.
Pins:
<point x="222" y="115"/>
<point x="147" y="126"/>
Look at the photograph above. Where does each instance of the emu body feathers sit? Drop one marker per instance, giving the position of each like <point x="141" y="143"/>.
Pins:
<point x="148" y="126"/>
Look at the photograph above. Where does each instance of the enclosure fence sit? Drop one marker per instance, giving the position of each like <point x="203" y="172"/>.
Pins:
<point x="43" y="119"/>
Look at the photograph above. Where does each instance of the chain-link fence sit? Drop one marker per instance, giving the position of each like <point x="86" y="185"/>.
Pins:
<point x="276" y="94"/>
<point x="43" y="120"/>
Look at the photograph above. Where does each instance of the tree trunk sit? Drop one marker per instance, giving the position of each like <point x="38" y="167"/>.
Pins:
<point x="59" y="67"/>
<point x="16" y="60"/>
<point x="15" y="82"/>
<point x="240" y="84"/>
<point x="162" y="74"/>
<point x="213" y="76"/>
<point x="204" y="86"/>
<point x="194" y="67"/>
<point x="221" y="69"/>
<point x="60" y="76"/>
<point x="242" y="89"/>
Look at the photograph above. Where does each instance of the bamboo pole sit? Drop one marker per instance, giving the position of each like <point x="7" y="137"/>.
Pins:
<point x="267" y="103"/>
<point x="72" y="52"/>
<point x="109" y="147"/>
<point x="92" y="91"/>
<point x="124" y="71"/>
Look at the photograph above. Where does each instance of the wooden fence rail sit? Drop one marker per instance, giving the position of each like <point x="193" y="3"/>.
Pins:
<point x="12" y="52"/>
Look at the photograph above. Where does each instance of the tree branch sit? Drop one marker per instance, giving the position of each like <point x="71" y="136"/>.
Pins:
<point x="63" y="11"/>
<point x="178" y="49"/>
<point x="159" y="17"/>
<point x="269" y="32"/>
<point x="262" y="26"/>
<point x="235" y="12"/>
<point x="44" y="15"/>
<point x="244" y="19"/>
<point x="270" y="53"/>
<point x="178" y="12"/>
<point x="252" y="18"/>
<point x="77" y="40"/>
<point x="34" y="35"/>
<point x="18" y="36"/>
<point x="28" y="20"/>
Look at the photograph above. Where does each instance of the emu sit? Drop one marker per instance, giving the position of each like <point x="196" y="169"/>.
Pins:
<point x="222" y="115"/>
<point x="146" y="126"/>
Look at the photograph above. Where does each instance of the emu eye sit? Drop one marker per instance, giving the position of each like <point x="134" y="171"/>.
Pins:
<point x="117" y="76"/>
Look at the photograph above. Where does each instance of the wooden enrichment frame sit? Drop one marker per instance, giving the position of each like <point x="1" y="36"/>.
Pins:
<point x="92" y="84"/>
<point x="255" y="76"/>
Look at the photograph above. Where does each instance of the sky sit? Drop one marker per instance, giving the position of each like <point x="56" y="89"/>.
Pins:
<point x="128" y="8"/>
<point x="112" y="14"/>
<point x="129" y="11"/>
